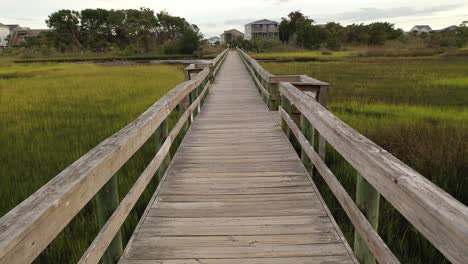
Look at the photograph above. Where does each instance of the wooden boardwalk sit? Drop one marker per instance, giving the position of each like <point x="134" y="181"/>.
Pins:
<point x="236" y="191"/>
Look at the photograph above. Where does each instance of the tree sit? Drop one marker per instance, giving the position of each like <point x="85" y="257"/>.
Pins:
<point x="95" y="28"/>
<point x="284" y="30"/>
<point x="131" y="30"/>
<point x="141" y="25"/>
<point x="65" y="24"/>
<point x="190" y="40"/>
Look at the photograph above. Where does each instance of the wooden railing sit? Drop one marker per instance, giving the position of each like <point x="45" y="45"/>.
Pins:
<point x="438" y="216"/>
<point x="26" y="230"/>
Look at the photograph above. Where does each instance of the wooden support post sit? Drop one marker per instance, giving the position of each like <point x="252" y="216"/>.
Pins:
<point x="161" y="134"/>
<point x="212" y="77"/>
<point x="186" y="75"/>
<point x="368" y="200"/>
<point x="286" y="105"/>
<point x="182" y="107"/>
<point x="107" y="200"/>
<point x="196" y="94"/>
<point x="295" y="114"/>
<point x="322" y="97"/>
<point x="308" y="131"/>
<point x="273" y="89"/>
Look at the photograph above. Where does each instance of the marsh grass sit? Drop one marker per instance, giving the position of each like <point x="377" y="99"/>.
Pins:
<point x="298" y="56"/>
<point x="413" y="107"/>
<point x="52" y="114"/>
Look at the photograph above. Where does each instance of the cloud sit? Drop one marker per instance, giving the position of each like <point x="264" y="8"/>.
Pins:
<point x="239" y="21"/>
<point x="365" y="14"/>
<point x="207" y="25"/>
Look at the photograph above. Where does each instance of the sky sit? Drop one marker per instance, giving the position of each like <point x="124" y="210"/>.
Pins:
<point x="213" y="17"/>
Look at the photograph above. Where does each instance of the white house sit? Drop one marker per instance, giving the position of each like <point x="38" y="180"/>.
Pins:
<point x="418" y="29"/>
<point x="4" y="32"/>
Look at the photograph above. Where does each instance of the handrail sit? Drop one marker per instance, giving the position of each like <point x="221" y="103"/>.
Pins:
<point x="438" y="216"/>
<point x="28" y="228"/>
<point x="214" y="66"/>
<point x="442" y="219"/>
<point x="268" y="84"/>
<point x="365" y="229"/>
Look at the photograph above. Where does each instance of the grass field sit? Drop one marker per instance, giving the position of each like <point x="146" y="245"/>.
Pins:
<point x="416" y="108"/>
<point x="306" y="55"/>
<point x="52" y="114"/>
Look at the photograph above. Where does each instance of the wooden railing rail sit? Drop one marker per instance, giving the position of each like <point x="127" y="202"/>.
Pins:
<point x="27" y="229"/>
<point x="268" y="84"/>
<point x="438" y="216"/>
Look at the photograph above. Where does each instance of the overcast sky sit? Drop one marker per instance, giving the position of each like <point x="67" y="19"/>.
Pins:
<point x="213" y="17"/>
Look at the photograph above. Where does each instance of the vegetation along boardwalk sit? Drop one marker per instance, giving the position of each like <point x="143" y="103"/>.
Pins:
<point x="235" y="183"/>
<point x="236" y="190"/>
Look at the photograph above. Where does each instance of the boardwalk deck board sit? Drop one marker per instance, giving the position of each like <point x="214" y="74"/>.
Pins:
<point x="236" y="191"/>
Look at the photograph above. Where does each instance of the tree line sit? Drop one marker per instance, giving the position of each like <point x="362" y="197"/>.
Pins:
<point x="130" y="30"/>
<point x="298" y="30"/>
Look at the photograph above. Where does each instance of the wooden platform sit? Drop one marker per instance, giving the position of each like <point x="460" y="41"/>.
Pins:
<point x="236" y="192"/>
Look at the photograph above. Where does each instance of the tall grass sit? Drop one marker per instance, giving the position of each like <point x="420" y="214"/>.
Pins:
<point x="52" y="114"/>
<point x="304" y="55"/>
<point x="416" y="109"/>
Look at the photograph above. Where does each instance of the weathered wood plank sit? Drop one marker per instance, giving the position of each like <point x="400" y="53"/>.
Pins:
<point x="257" y="251"/>
<point x="237" y="240"/>
<point x="339" y="259"/>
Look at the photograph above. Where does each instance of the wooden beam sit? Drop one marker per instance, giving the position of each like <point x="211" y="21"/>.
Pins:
<point x="107" y="200"/>
<point x="367" y="200"/>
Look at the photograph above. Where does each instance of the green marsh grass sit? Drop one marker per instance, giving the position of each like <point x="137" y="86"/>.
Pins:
<point x="416" y="108"/>
<point x="305" y="55"/>
<point x="52" y="114"/>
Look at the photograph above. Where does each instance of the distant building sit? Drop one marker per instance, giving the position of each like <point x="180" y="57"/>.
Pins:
<point x="418" y="29"/>
<point x="230" y="35"/>
<point x="21" y="34"/>
<point x="214" y="41"/>
<point x="449" y="28"/>
<point x="4" y="32"/>
<point x="16" y="35"/>
<point x="265" y="29"/>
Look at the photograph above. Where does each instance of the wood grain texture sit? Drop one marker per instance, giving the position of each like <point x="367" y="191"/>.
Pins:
<point x="438" y="216"/>
<point x="236" y="191"/>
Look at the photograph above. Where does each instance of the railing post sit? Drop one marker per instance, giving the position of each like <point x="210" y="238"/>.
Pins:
<point x="195" y="94"/>
<point x="107" y="200"/>
<point x="368" y="200"/>
<point x="286" y="105"/>
<point x="273" y="89"/>
<point x="161" y="134"/>
<point x="181" y="108"/>
<point x="186" y="75"/>
<point x="308" y="131"/>
<point x="295" y="115"/>
<point x="322" y="97"/>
